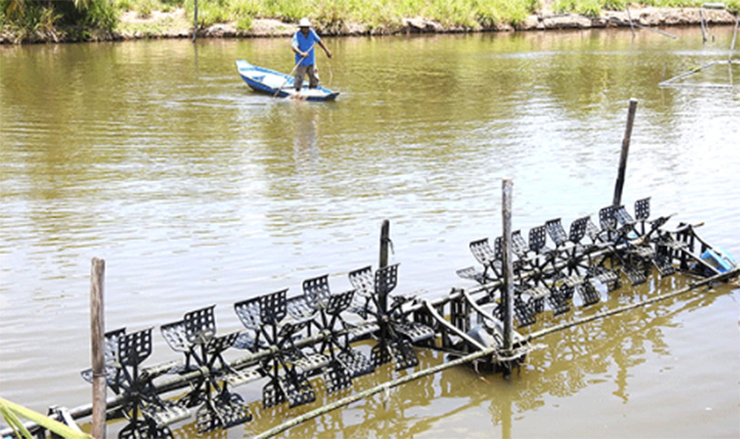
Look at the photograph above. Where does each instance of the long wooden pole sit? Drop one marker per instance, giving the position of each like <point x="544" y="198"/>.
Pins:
<point x="195" y="21"/>
<point x="97" y="334"/>
<point x="625" y="152"/>
<point x="287" y="78"/>
<point x="734" y="37"/>
<point x="670" y="82"/>
<point x="508" y="290"/>
<point x="385" y="239"/>
<point x="632" y="25"/>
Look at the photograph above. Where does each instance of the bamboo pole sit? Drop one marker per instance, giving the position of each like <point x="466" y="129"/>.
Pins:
<point x="508" y="290"/>
<point x="97" y="334"/>
<point x="625" y="152"/>
<point x="703" y="30"/>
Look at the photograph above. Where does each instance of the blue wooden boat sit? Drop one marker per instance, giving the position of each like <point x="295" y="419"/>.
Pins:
<point x="268" y="81"/>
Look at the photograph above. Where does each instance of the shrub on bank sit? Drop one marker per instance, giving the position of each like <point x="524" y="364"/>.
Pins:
<point x="31" y="20"/>
<point x="335" y="14"/>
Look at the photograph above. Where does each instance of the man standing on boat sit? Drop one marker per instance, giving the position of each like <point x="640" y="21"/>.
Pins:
<point x="303" y="45"/>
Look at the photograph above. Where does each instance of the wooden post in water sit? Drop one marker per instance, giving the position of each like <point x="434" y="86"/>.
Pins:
<point x="734" y="37"/>
<point x="195" y="21"/>
<point x="625" y="152"/>
<point x="97" y="334"/>
<point x="508" y="289"/>
<point x="385" y="240"/>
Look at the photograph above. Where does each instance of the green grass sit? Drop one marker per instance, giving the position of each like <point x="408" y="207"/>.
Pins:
<point x="334" y="14"/>
<point x="14" y="414"/>
<point x="589" y="8"/>
<point x="28" y="18"/>
<point x="471" y="14"/>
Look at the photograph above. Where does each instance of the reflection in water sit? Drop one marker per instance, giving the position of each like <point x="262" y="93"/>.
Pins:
<point x="305" y="123"/>
<point x="195" y="59"/>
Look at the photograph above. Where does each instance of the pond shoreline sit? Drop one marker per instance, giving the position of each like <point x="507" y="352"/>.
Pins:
<point x="176" y="24"/>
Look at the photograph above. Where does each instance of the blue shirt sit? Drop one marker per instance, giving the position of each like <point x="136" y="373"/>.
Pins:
<point x="303" y="43"/>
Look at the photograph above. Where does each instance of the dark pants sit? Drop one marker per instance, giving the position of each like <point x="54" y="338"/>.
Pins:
<point x="301" y="72"/>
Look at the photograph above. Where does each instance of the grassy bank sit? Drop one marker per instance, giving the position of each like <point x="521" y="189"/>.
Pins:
<point x="50" y="20"/>
<point x="330" y="15"/>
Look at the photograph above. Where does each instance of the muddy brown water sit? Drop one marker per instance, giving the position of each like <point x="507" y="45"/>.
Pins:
<point x="155" y="156"/>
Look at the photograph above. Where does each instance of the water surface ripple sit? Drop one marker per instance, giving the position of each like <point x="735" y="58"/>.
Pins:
<point x="156" y="157"/>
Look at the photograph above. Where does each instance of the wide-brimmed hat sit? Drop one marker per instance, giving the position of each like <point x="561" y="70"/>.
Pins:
<point x="304" y="22"/>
